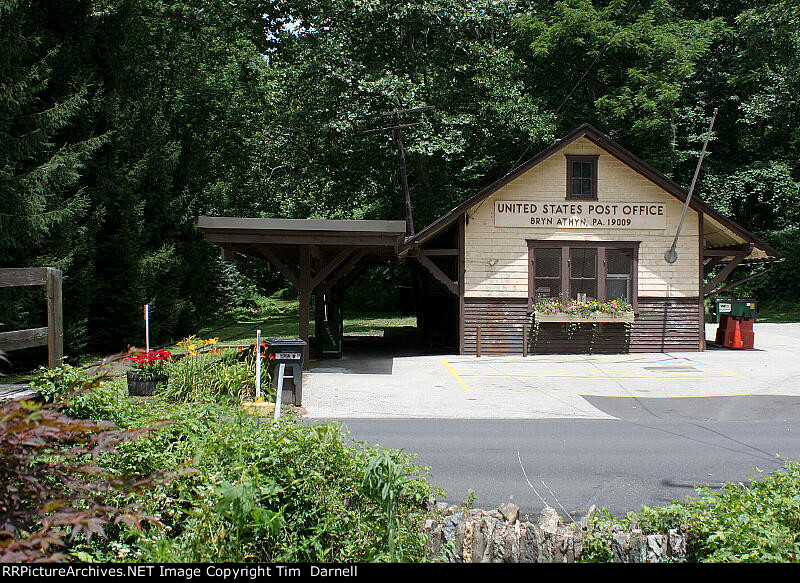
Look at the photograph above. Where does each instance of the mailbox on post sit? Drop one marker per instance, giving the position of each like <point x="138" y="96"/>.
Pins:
<point x="289" y="352"/>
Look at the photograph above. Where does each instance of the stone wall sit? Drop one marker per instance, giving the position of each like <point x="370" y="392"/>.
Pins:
<point x="497" y="536"/>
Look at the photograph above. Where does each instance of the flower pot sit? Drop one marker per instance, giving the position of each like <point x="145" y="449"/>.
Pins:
<point x="601" y="318"/>
<point x="144" y="385"/>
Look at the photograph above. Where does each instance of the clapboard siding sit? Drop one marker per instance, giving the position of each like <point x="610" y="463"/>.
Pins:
<point x="496" y="258"/>
<point x="662" y="325"/>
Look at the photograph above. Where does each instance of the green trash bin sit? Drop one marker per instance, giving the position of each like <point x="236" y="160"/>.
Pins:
<point x="737" y="307"/>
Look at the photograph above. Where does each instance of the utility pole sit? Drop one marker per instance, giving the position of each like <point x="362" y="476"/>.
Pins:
<point x="398" y="129"/>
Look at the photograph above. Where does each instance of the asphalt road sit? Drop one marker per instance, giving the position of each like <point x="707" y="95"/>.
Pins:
<point x="656" y="452"/>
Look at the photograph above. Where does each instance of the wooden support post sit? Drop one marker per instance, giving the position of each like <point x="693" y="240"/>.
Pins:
<point x="55" y="319"/>
<point x="524" y="340"/>
<point x="319" y="317"/>
<point x="304" y="290"/>
<point x="478" y="342"/>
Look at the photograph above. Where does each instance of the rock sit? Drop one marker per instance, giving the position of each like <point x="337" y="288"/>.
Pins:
<point x="433" y="541"/>
<point x="450" y="525"/>
<point x="638" y="547"/>
<point x="509" y="511"/>
<point x="442" y="507"/>
<point x="656" y="548"/>
<point x="677" y="545"/>
<point x="529" y="543"/>
<point x="620" y="544"/>
<point x="549" y="519"/>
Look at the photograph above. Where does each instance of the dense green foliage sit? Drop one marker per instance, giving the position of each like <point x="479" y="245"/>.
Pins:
<point x="757" y="522"/>
<point x="122" y="120"/>
<point x="247" y="489"/>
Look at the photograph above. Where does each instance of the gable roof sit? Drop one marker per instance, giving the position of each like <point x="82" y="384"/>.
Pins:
<point x="604" y="142"/>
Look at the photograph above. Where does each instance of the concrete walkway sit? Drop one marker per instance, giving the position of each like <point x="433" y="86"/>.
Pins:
<point x="375" y="385"/>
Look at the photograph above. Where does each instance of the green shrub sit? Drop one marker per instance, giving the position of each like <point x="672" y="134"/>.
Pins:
<point x="259" y="490"/>
<point x="756" y="522"/>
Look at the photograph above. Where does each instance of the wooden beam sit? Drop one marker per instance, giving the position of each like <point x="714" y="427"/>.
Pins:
<point x="390" y="241"/>
<point x="279" y="265"/>
<point x="358" y="256"/>
<point x="439" y="252"/>
<point x="55" y="319"/>
<point x="19" y="276"/>
<point x="748" y="278"/>
<point x="722" y="275"/>
<point x="711" y="264"/>
<point x="19" y="339"/>
<point x="330" y="266"/>
<point x="438" y="274"/>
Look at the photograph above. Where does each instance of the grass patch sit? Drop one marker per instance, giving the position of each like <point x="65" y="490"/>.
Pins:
<point x="779" y="313"/>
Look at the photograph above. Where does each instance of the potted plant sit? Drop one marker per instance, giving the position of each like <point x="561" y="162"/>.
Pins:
<point x="149" y="372"/>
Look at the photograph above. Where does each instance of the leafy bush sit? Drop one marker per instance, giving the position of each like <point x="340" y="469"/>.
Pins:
<point x="756" y="522"/>
<point x="51" y="485"/>
<point x="263" y="491"/>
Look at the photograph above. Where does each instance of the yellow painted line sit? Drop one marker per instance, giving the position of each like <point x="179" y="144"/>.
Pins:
<point x="588" y="376"/>
<point x="732" y="373"/>
<point x="455" y="374"/>
<point x="678" y="396"/>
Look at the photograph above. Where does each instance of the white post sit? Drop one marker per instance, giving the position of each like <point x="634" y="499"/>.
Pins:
<point x="258" y="364"/>
<point x="147" y="327"/>
<point x="279" y="392"/>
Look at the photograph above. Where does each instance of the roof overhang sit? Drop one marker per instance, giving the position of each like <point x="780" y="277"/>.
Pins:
<point x="240" y="232"/>
<point x="714" y="221"/>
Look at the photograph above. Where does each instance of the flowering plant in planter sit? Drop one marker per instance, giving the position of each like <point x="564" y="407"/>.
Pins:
<point x="150" y="363"/>
<point x="613" y="309"/>
<point x="150" y="372"/>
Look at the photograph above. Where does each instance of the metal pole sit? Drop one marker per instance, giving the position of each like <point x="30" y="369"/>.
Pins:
<point x="401" y="154"/>
<point x="258" y="365"/>
<point x="671" y="256"/>
<point x="147" y="327"/>
<point x="279" y="392"/>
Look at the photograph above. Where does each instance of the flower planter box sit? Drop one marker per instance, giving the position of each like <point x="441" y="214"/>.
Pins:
<point x="543" y="317"/>
<point x="144" y="385"/>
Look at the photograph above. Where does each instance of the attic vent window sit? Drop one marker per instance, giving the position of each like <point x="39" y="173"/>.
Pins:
<point x="582" y="177"/>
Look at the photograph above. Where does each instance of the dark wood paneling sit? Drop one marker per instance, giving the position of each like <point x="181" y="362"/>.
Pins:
<point x="666" y="324"/>
<point x="501" y="321"/>
<point x="662" y="325"/>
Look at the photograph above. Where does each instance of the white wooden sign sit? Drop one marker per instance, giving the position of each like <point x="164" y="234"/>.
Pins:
<point x="580" y="214"/>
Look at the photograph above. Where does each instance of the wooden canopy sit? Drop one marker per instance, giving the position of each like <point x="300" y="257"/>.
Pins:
<point x="315" y="255"/>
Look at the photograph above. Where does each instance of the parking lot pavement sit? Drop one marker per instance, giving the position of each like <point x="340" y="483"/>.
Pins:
<point x="557" y="386"/>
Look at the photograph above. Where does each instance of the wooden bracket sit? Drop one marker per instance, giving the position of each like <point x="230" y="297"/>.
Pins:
<point x="329" y="267"/>
<point x="743" y="280"/>
<point x="738" y="257"/>
<point x="438" y="274"/>
<point x="280" y="265"/>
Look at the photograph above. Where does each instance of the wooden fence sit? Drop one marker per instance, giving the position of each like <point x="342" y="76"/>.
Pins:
<point x="51" y="335"/>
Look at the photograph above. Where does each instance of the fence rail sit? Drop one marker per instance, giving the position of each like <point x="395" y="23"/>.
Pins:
<point x="53" y="334"/>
